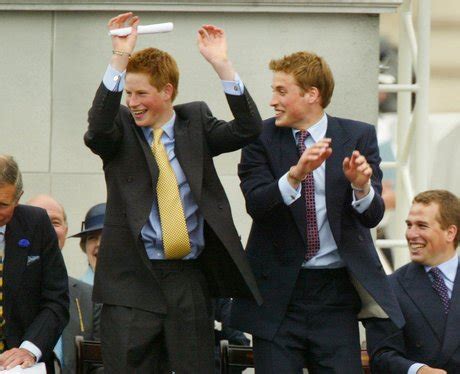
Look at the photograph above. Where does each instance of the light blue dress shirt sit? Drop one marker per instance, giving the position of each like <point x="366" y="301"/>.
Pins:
<point x="151" y="232"/>
<point x="328" y="255"/>
<point x="88" y="276"/>
<point x="448" y="272"/>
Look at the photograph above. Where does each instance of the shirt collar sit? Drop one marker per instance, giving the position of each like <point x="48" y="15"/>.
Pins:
<point x="168" y="129"/>
<point x="318" y="130"/>
<point x="448" y="268"/>
<point x="2" y="229"/>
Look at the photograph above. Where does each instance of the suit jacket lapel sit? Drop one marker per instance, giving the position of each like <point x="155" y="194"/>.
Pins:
<point x="150" y="159"/>
<point x="419" y="288"/>
<point x="452" y="331"/>
<point x="286" y="149"/>
<point x="335" y="179"/>
<point x="189" y="151"/>
<point x="15" y="258"/>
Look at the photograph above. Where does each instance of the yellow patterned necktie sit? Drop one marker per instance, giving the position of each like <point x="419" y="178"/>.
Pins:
<point x="176" y="240"/>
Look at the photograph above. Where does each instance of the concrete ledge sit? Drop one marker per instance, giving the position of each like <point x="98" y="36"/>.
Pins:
<point x="228" y="6"/>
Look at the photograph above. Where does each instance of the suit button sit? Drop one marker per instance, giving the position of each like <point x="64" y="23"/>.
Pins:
<point x="418" y="344"/>
<point x="360" y="238"/>
<point x="220" y="206"/>
<point x="130" y="179"/>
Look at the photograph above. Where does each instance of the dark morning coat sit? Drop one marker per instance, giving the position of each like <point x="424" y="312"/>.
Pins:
<point x="36" y="305"/>
<point x="277" y="241"/>
<point x="124" y="275"/>
<point x="429" y="336"/>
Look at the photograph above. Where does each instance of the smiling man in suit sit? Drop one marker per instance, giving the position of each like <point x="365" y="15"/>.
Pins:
<point x="34" y="295"/>
<point x="312" y="186"/>
<point x="428" y="291"/>
<point x="168" y="241"/>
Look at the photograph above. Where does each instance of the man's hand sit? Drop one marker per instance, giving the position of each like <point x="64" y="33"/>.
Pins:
<point x="311" y="159"/>
<point x="123" y="45"/>
<point x="358" y="172"/>
<point x="212" y="44"/>
<point x="16" y="356"/>
<point x="429" y="370"/>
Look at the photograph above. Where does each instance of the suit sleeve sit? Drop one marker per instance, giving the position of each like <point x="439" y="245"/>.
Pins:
<point x="258" y="183"/>
<point x="53" y="316"/>
<point x="386" y="347"/>
<point x="105" y="131"/>
<point x="368" y="147"/>
<point x="230" y="136"/>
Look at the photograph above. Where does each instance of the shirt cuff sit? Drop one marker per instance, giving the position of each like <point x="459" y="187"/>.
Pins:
<point x="288" y="193"/>
<point x="235" y="87"/>
<point x="32" y="348"/>
<point x="113" y="79"/>
<point x="414" y="367"/>
<point x="362" y="204"/>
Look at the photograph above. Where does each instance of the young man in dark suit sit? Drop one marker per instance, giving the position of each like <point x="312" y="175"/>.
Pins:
<point x="428" y="291"/>
<point x="84" y="314"/>
<point x="312" y="187"/>
<point x="169" y="241"/>
<point x="34" y="295"/>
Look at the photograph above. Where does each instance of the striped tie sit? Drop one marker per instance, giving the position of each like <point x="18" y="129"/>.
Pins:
<point x="176" y="240"/>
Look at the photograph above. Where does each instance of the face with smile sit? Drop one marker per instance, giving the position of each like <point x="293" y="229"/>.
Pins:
<point x="293" y="106"/>
<point x="149" y="107"/>
<point x="429" y="244"/>
<point x="8" y="202"/>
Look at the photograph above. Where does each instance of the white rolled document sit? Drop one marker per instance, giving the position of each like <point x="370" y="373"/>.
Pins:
<point x="147" y="29"/>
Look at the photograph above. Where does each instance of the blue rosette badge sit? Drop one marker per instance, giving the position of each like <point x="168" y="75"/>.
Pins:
<point x="23" y="243"/>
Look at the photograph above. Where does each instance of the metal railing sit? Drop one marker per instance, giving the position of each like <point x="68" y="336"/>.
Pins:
<point x="413" y="132"/>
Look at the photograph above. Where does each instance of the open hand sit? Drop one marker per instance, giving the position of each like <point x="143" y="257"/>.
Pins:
<point x="357" y="170"/>
<point x="310" y="159"/>
<point x="212" y="44"/>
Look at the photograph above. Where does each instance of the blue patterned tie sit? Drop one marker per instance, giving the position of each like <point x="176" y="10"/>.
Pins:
<point x="440" y="287"/>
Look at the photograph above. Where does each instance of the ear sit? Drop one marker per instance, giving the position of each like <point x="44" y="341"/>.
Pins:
<point x="451" y="233"/>
<point x="313" y="95"/>
<point x="168" y="91"/>
<point x="19" y="198"/>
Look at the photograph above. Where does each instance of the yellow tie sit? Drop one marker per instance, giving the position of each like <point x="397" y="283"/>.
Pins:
<point x="176" y="240"/>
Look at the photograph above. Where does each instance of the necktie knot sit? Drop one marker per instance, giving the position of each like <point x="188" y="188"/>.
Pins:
<point x="302" y="135"/>
<point x="157" y="135"/>
<point x="440" y="287"/>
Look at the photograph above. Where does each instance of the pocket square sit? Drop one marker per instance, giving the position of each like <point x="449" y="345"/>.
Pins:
<point x="32" y="259"/>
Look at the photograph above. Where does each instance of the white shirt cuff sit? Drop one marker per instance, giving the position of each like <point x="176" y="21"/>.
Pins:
<point x="113" y="79"/>
<point x="362" y="204"/>
<point x="235" y="87"/>
<point x="414" y="367"/>
<point x="288" y="193"/>
<point x="32" y="348"/>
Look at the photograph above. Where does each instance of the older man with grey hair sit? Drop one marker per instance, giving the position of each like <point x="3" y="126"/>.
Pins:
<point x="34" y="301"/>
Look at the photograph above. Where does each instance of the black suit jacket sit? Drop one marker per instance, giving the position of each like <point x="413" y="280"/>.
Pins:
<point x="36" y="305"/>
<point x="277" y="242"/>
<point x="84" y="321"/>
<point x="429" y="336"/>
<point x="124" y="275"/>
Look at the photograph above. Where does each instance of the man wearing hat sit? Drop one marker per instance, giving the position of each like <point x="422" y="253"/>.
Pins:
<point x="90" y="239"/>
